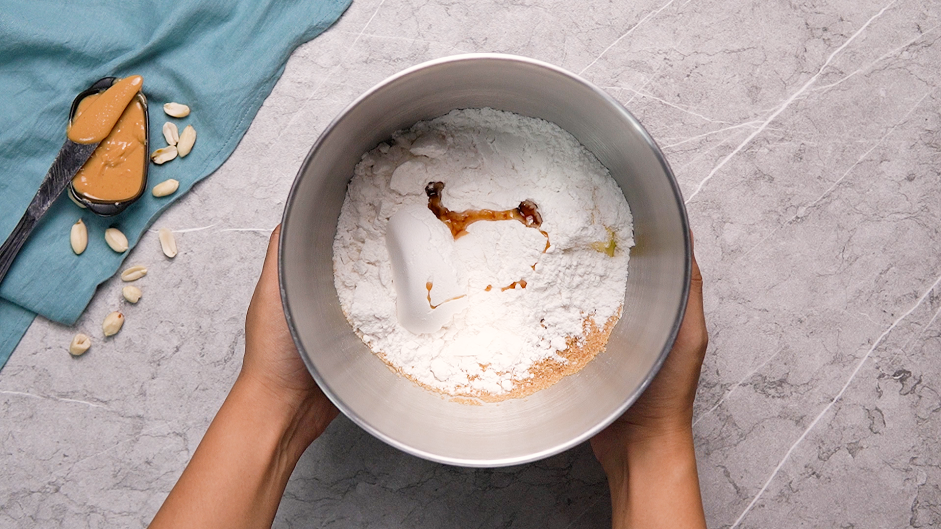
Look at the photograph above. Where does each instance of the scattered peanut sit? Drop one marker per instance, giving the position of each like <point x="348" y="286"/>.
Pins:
<point x="179" y="144"/>
<point x="167" y="242"/>
<point x="78" y="237"/>
<point x="187" y="139"/>
<point x="176" y="110"/>
<point x="171" y="133"/>
<point x="79" y="345"/>
<point x="112" y="323"/>
<point x="165" y="188"/>
<point x="164" y="155"/>
<point x="131" y="293"/>
<point x="133" y="273"/>
<point x="116" y="240"/>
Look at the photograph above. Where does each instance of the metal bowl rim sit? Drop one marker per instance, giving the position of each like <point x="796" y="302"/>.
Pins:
<point x="631" y="398"/>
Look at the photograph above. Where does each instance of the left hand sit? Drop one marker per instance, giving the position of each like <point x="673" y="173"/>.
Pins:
<point x="271" y="357"/>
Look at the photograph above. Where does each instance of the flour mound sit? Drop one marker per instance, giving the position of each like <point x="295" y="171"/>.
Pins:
<point x="507" y="339"/>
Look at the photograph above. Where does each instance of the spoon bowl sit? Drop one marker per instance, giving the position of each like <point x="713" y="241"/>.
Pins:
<point x="106" y="208"/>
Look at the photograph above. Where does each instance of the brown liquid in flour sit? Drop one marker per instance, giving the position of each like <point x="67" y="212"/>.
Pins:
<point x="458" y="221"/>
<point x="428" y="286"/>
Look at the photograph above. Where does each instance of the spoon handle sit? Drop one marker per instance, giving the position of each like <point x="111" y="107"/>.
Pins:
<point x="72" y="156"/>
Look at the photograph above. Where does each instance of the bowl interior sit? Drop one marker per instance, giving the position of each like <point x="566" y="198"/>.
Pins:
<point x="516" y="431"/>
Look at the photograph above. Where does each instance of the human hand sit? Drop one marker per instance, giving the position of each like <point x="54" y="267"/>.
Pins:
<point x="271" y="358"/>
<point x="274" y="411"/>
<point x="664" y="412"/>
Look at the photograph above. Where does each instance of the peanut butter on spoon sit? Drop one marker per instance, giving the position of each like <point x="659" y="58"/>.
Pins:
<point x="96" y="122"/>
<point x="116" y="120"/>
<point x="115" y="171"/>
<point x="87" y="131"/>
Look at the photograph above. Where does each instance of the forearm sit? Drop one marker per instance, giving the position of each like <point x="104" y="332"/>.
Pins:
<point x="657" y="485"/>
<point x="238" y="473"/>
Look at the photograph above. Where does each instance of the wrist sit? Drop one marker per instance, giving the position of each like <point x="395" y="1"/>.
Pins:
<point x="658" y="484"/>
<point x="670" y="444"/>
<point x="646" y="447"/>
<point x="671" y="430"/>
<point x="284" y="415"/>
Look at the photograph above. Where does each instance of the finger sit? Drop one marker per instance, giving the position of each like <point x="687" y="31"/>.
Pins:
<point x="695" y="278"/>
<point x="696" y="275"/>
<point x="269" y="270"/>
<point x="693" y="329"/>
<point x="271" y="257"/>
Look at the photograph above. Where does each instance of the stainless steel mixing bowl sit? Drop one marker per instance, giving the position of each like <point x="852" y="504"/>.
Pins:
<point x="429" y="425"/>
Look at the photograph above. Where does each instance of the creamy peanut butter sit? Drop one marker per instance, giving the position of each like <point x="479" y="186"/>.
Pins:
<point x="115" y="171"/>
<point x="95" y="124"/>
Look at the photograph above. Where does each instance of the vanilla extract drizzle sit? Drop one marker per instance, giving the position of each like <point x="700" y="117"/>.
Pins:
<point x="458" y="221"/>
<point x="521" y="283"/>
<point x="511" y="286"/>
<point x="428" y="286"/>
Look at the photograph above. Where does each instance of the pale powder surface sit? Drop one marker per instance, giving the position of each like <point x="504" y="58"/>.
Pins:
<point x="506" y="343"/>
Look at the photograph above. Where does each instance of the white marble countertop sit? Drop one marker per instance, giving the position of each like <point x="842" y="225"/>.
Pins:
<point x="805" y="136"/>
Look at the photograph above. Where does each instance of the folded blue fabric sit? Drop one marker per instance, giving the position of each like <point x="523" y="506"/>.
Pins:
<point x="221" y="58"/>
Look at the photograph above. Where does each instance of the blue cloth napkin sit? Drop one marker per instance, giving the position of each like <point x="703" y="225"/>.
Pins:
<point x="222" y="58"/>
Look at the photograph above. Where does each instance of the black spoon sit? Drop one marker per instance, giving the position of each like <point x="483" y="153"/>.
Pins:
<point x="72" y="156"/>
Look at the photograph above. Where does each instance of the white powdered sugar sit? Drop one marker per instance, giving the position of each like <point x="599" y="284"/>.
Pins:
<point x="502" y="302"/>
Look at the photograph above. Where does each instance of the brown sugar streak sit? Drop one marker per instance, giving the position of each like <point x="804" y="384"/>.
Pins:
<point x="548" y="372"/>
<point x="544" y="374"/>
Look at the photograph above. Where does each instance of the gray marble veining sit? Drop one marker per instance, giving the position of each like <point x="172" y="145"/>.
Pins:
<point x="805" y="136"/>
